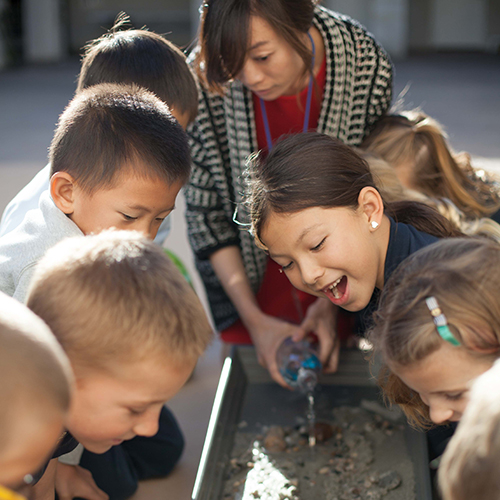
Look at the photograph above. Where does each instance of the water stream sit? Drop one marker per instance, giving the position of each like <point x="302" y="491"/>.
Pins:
<point x="311" y="419"/>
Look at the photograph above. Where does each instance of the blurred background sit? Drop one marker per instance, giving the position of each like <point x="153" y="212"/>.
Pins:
<point x="447" y="61"/>
<point x="50" y="30"/>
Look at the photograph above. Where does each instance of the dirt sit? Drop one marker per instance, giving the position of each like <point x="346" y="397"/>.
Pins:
<point x="359" y="455"/>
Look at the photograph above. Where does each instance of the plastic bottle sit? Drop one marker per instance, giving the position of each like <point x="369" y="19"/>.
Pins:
<point x="299" y="364"/>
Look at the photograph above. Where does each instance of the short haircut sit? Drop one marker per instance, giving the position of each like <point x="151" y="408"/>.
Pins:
<point x="35" y="373"/>
<point x="117" y="297"/>
<point x="144" y="58"/>
<point x="469" y="469"/>
<point x="108" y="128"/>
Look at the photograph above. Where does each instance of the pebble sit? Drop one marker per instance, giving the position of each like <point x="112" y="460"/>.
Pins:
<point x="275" y="439"/>
<point x="389" y="480"/>
<point x="322" y="431"/>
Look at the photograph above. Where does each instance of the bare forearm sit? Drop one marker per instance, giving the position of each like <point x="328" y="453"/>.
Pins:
<point x="228" y="266"/>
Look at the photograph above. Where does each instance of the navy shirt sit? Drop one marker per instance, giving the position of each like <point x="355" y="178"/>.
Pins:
<point x="403" y="241"/>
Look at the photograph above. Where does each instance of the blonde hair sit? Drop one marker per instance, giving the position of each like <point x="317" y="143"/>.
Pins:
<point x="116" y="296"/>
<point x="36" y="378"/>
<point x="463" y="274"/>
<point x="469" y="468"/>
<point x="392" y="190"/>
<point x="414" y="139"/>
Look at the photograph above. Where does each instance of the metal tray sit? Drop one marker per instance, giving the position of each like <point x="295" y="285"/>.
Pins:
<point x="246" y="392"/>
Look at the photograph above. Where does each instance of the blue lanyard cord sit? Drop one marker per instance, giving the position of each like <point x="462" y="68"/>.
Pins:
<point x="308" y="102"/>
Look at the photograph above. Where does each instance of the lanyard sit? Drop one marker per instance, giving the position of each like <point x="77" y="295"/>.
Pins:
<point x="308" y="103"/>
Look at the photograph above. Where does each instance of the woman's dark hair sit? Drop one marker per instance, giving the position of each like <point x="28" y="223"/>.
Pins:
<point x="224" y="34"/>
<point x="316" y="170"/>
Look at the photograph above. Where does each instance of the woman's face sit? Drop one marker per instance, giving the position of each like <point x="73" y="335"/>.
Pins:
<point x="272" y="67"/>
<point x="443" y="380"/>
<point x="329" y="252"/>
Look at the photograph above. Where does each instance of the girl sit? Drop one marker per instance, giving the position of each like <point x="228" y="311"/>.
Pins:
<point x="415" y="145"/>
<point x="315" y="208"/>
<point x="438" y="328"/>
<point x="269" y="68"/>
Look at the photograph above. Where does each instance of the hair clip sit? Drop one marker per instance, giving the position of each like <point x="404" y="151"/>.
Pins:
<point x="440" y="321"/>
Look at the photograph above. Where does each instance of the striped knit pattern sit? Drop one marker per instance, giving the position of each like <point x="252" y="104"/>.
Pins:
<point x="358" y="91"/>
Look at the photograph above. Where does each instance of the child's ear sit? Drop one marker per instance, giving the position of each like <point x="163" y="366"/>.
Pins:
<point x="62" y="190"/>
<point x="371" y="204"/>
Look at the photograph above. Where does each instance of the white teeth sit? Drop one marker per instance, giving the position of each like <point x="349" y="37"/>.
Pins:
<point x="333" y="288"/>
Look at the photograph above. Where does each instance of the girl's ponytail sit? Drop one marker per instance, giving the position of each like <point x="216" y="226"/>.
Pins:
<point x="422" y="217"/>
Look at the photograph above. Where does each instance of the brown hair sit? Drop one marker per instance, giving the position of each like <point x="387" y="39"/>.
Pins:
<point x="392" y="190"/>
<point x="463" y="274"/>
<point x="416" y="140"/>
<point x="469" y="468"/>
<point x="117" y="296"/>
<point x="106" y="127"/>
<point x="316" y="170"/>
<point x="35" y="373"/>
<point x="224" y="34"/>
<point x="144" y="58"/>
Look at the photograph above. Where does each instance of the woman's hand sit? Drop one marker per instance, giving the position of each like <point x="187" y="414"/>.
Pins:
<point x="75" y="481"/>
<point x="321" y="319"/>
<point x="267" y="335"/>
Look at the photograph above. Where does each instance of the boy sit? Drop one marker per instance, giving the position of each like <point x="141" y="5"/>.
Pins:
<point x="118" y="159"/>
<point x="133" y="330"/>
<point x="469" y="469"/>
<point x="35" y="393"/>
<point x="130" y="56"/>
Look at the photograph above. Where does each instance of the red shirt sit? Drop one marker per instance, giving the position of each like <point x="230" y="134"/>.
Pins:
<point x="277" y="297"/>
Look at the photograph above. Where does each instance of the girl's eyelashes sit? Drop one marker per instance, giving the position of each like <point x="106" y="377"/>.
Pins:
<point x="454" y="396"/>
<point x="129" y="217"/>
<point x="287" y="267"/>
<point x="319" y="245"/>
<point x="136" y="411"/>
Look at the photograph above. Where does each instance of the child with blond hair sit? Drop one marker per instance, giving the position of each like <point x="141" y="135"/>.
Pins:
<point x="133" y="329"/>
<point x="35" y="393"/>
<point x="438" y="328"/>
<point x="416" y="146"/>
<point x="469" y="468"/>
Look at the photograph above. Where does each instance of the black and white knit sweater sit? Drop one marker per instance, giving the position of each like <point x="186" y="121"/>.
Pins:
<point x="357" y="92"/>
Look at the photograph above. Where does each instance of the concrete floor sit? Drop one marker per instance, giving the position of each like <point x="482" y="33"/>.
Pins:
<point x="461" y="91"/>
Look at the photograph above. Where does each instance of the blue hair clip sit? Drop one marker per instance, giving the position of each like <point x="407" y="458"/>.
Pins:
<point x="440" y="321"/>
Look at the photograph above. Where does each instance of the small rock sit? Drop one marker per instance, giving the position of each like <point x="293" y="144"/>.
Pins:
<point x="275" y="439"/>
<point x="324" y="470"/>
<point x="389" y="480"/>
<point x="322" y="431"/>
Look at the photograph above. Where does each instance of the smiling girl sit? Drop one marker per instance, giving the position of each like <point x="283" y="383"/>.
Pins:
<point x="438" y="328"/>
<point x="315" y="209"/>
<point x="268" y="68"/>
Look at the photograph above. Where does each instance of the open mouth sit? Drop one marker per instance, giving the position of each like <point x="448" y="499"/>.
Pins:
<point x="337" y="289"/>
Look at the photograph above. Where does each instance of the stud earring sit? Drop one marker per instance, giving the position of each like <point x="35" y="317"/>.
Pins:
<point x="374" y="224"/>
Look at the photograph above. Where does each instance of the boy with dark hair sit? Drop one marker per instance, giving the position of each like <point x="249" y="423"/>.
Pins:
<point x="133" y="329"/>
<point x="119" y="159"/>
<point x="122" y="56"/>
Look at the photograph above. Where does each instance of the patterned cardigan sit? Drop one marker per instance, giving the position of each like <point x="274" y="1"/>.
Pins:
<point x="358" y="91"/>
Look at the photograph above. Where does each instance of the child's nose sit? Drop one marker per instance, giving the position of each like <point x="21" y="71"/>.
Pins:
<point x="440" y="414"/>
<point x="148" y="425"/>
<point x="311" y="274"/>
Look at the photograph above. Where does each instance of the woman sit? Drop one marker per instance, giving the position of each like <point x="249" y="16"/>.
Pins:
<point x="269" y="68"/>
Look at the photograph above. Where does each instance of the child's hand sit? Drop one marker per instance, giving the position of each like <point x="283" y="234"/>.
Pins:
<point x="267" y="337"/>
<point x="321" y="319"/>
<point x="75" y="481"/>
